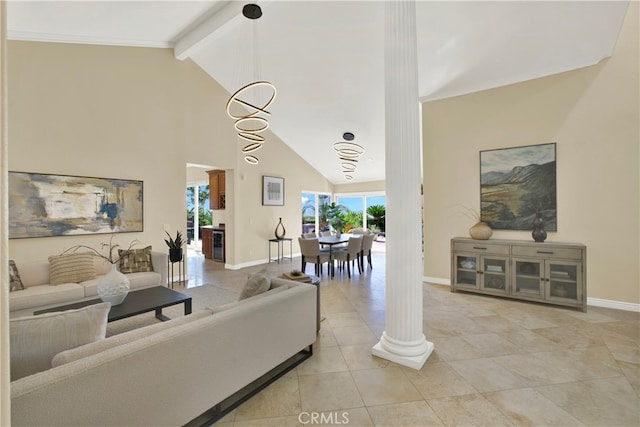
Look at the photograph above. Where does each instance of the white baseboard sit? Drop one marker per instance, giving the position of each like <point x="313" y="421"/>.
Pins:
<point x="618" y="305"/>
<point x="258" y="262"/>
<point x="596" y="302"/>
<point x="436" y="280"/>
<point x="246" y="264"/>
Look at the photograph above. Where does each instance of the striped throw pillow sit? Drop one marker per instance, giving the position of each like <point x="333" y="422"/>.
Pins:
<point x="71" y="268"/>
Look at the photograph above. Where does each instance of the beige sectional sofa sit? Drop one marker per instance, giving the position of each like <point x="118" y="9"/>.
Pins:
<point x="184" y="371"/>
<point x="38" y="293"/>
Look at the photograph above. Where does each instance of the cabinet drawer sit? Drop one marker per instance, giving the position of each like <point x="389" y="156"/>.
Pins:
<point x="547" y="252"/>
<point x="481" y="248"/>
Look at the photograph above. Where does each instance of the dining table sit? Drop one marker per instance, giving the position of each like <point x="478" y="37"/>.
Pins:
<point x="331" y="241"/>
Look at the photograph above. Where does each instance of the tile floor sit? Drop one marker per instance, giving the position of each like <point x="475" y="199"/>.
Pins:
<point x="496" y="361"/>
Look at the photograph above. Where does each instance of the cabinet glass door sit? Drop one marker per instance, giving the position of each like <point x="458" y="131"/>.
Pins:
<point x="494" y="275"/>
<point x="528" y="278"/>
<point x="563" y="279"/>
<point x="466" y="272"/>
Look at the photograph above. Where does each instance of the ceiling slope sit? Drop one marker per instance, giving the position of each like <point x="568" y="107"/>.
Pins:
<point x="326" y="58"/>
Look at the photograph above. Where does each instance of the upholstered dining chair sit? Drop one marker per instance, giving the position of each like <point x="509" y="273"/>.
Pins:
<point x="310" y="249"/>
<point x="349" y="254"/>
<point x="308" y="235"/>
<point x="325" y="233"/>
<point x="367" y="244"/>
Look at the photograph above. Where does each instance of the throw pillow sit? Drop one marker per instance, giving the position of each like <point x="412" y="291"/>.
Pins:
<point x="34" y="340"/>
<point x="135" y="260"/>
<point x="224" y="307"/>
<point x="71" y="268"/>
<point x="15" y="283"/>
<point x="256" y="284"/>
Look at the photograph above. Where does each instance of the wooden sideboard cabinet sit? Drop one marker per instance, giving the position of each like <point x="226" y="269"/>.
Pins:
<point x="217" y="195"/>
<point x="553" y="273"/>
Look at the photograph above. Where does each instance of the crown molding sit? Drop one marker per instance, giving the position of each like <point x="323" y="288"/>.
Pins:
<point x="65" y="38"/>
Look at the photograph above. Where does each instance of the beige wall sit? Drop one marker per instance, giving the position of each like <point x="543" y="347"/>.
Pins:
<point x="593" y="116"/>
<point x="139" y="113"/>
<point x="359" y="187"/>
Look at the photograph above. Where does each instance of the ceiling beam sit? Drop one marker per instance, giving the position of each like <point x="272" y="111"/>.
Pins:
<point x="202" y="32"/>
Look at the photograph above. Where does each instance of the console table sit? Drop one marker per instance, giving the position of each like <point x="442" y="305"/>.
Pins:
<point x="280" y="246"/>
<point x="553" y="273"/>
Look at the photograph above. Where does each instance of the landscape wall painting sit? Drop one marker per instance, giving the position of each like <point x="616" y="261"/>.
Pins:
<point x="42" y="205"/>
<point x="517" y="182"/>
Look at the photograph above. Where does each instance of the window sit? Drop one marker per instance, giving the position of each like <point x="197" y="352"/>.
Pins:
<point x="314" y="213"/>
<point x="361" y="206"/>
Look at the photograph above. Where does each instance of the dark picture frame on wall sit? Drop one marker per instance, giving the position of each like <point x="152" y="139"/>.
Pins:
<point x="46" y="205"/>
<point x="515" y="184"/>
<point x="272" y="191"/>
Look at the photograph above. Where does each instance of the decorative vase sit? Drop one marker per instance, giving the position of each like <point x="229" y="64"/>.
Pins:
<point x="280" y="231"/>
<point x="480" y="231"/>
<point x="538" y="234"/>
<point x="113" y="287"/>
<point x="175" y="255"/>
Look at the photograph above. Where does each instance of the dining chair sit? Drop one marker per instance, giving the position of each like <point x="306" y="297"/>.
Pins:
<point x="349" y="254"/>
<point x="367" y="244"/>
<point x="308" y="235"/>
<point x="325" y="233"/>
<point x="310" y="249"/>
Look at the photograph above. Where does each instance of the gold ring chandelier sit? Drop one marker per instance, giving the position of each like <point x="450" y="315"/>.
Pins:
<point x="249" y="122"/>
<point x="348" y="153"/>
<point x="249" y="117"/>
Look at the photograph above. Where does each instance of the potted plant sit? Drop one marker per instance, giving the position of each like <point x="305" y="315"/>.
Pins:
<point x="175" y="246"/>
<point x="336" y="217"/>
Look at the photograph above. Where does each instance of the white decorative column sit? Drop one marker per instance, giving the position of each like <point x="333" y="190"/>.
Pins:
<point x="403" y="341"/>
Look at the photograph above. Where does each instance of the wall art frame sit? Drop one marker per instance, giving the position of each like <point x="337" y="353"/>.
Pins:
<point x="515" y="184"/>
<point x="47" y="205"/>
<point x="272" y="191"/>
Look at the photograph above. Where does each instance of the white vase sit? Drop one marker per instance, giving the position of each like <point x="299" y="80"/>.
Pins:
<point x="113" y="287"/>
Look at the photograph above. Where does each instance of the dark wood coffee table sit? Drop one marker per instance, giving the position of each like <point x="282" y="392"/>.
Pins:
<point x="136" y="302"/>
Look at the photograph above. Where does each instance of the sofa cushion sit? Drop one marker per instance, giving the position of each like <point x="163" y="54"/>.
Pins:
<point x="136" y="281"/>
<point x="35" y="340"/>
<point x="135" y="260"/>
<point x="45" y="295"/>
<point x="15" y="283"/>
<point x="256" y="284"/>
<point x="71" y="268"/>
<point x="230" y="305"/>
<point x="90" y="349"/>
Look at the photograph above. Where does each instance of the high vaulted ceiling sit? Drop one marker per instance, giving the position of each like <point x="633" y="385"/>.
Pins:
<point x="326" y="58"/>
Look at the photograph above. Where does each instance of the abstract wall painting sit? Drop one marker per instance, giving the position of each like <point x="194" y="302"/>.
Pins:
<point x="44" y="205"/>
<point x="515" y="183"/>
<point x="272" y="191"/>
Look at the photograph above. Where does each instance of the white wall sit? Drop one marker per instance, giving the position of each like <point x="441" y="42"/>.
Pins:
<point x="593" y="116"/>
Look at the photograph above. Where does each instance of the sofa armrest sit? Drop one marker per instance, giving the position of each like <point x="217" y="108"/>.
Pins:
<point x="159" y="261"/>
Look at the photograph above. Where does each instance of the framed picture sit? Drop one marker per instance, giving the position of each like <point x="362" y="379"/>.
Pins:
<point x="272" y="191"/>
<point x="44" y="205"/>
<point x="515" y="183"/>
